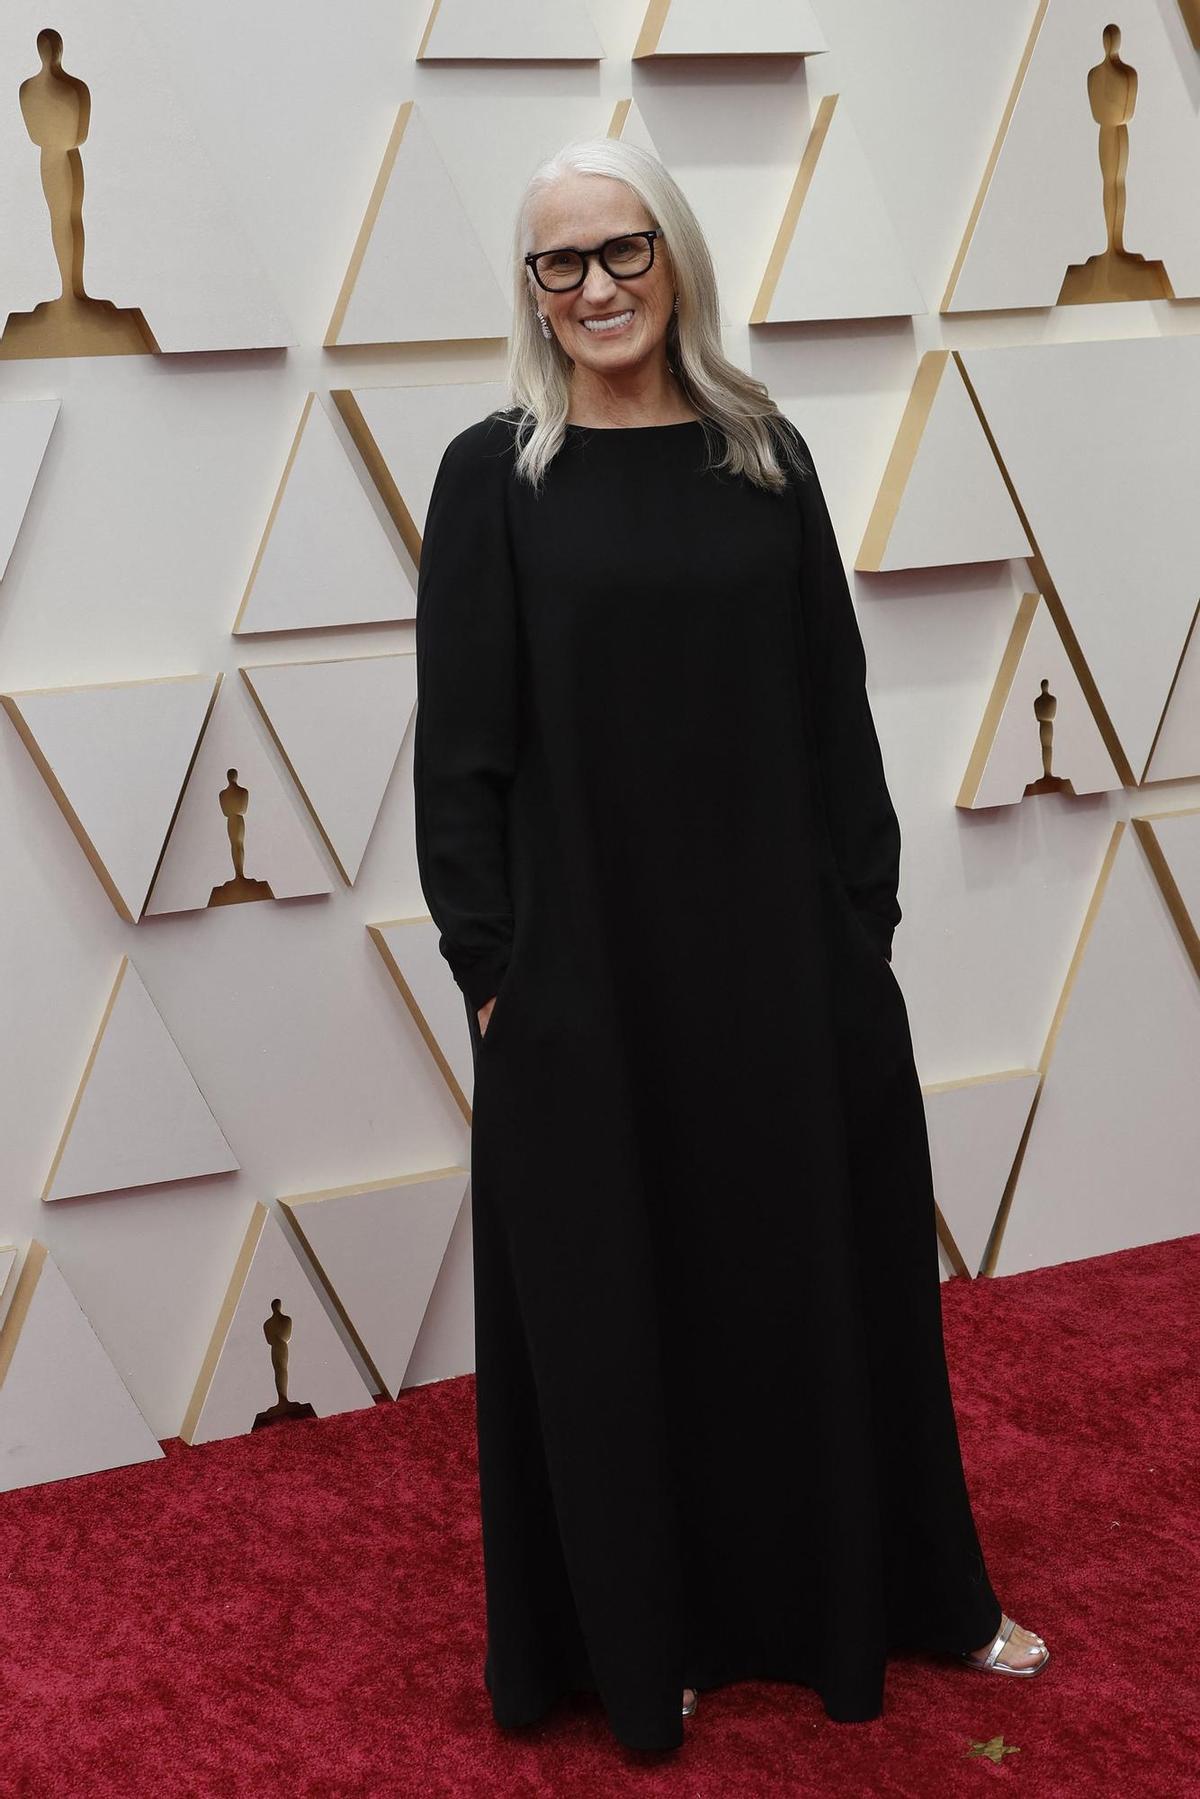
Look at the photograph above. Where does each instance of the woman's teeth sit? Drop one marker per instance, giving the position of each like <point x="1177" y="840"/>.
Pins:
<point x="614" y="324"/>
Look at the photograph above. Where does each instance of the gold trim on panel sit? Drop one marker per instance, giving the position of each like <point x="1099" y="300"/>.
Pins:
<point x="945" y="1235"/>
<point x="18" y="1309"/>
<point x="791" y="212"/>
<point x="994" y="156"/>
<point x="183" y="787"/>
<point x="1185" y="924"/>
<point x="8" y="700"/>
<point x="651" y="32"/>
<point x="276" y="503"/>
<point x="229" y="1305"/>
<point x="84" y="1078"/>
<point x="620" y="113"/>
<point x="372" y="213"/>
<point x="989" y="724"/>
<point x="346" y="401"/>
<point x="926" y="383"/>
<point x="1162" y="717"/>
<point x="425" y="35"/>
<point x="376" y="932"/>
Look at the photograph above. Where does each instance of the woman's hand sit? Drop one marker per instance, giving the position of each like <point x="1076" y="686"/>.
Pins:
<point x="485" y="1012"/>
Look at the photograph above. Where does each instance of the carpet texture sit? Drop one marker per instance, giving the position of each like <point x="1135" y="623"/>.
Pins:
<point x="300" y="1612"/>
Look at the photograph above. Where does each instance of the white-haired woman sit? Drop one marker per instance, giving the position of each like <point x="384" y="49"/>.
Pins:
<point x="715" y="1428"/>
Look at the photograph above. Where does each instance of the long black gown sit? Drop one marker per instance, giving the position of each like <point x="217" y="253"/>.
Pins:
<point x="715" y="1428"/>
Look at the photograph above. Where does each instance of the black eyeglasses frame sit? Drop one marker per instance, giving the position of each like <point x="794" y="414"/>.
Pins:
<point x="598" y="250"/>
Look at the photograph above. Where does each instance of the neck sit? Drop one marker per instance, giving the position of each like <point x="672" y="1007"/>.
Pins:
<point x="654" y="398"/>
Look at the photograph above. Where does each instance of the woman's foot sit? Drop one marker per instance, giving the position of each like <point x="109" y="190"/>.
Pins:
<point x="1024" y="1649"/>
<point x="689" y="1701"/>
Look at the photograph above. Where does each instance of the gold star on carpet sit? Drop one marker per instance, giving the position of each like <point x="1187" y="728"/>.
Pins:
<point x="994" y="1749"/>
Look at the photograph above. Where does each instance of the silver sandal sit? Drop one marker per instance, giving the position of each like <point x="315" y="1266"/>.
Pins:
<point x="991" y="1662"/>
<point x="689" y="1709"/>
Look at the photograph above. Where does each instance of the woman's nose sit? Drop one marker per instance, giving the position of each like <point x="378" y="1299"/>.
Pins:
<point x="598" y="283"/>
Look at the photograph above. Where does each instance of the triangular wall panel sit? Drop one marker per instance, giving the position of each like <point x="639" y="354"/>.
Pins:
<point x="278" y="851"/>
<point x="1099" y="444"/>
<point x="64" y="1409"/>
<point x="138" y="1116"/>
<point x="325" y="558"/>
<point x="1114" y="1146"/>
<point x="416" y="221"/>
<point x="942" y="499"/>
<point x="237" y="1383"/>
<point x="115" y="757"/>
<point x="162" y="232"/>
<point x="837" y="255"/>
<point x="378" y="1249"/>
<point x="339" y="726"/>
<point x="974" y="1130"/>
<point x="1007" y="757"/>
<point x="401" y="432"/>
<point x="1040" y="210"/>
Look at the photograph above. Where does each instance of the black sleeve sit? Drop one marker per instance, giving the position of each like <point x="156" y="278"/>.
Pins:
<point x="465" y="743"/>
<point x="862" y="822"/>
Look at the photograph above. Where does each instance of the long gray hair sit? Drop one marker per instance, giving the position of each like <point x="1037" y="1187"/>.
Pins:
<point x="731" y="403"/>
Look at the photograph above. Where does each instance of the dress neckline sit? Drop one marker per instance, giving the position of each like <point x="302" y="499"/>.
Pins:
<point x="675" y="425"/>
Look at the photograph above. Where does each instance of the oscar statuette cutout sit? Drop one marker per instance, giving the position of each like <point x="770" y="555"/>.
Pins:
<point x="277" y="1329"/>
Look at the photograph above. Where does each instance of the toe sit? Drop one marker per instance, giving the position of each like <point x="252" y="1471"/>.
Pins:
<point x="1024" y="1648"/>
<point x="1027" y="1648"/>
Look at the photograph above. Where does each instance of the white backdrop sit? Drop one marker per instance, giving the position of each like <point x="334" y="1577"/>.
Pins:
<point x="149" y="508"/>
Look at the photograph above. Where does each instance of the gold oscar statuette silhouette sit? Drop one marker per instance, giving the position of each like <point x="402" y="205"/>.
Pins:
<point x="1044" y="708"/>
<point x="234" y="801"/>
<point x="1116" y="273"/>
<point x="56" y="108"/>
<point x="277" y="1329"/>
<point x="1191" y="15"/>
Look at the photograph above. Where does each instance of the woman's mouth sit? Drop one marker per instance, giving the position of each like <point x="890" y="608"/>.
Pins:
<point x="606" y="327"/>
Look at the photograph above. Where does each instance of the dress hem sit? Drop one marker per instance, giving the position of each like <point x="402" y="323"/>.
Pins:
<point x="839" y="1709"/>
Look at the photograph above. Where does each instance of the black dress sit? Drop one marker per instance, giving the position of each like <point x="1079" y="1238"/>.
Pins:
<point x="716" y="1437"/>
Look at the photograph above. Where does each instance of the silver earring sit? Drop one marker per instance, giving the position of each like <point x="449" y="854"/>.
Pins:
<point x="676" y="307"/>
<point x="543" y="322"/>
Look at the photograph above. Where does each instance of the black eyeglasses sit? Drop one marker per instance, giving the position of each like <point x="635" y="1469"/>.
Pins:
<point x="623" y="257"/>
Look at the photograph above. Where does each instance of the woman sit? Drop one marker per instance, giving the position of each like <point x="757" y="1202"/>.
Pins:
<point x="716" y="1438"/>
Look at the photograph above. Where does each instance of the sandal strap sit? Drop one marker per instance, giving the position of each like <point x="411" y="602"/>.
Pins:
<point x="1007" y="1626"/>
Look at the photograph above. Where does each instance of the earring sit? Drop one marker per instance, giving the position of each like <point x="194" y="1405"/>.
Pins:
<point x="676" y="306"/>
<point x="543" y="322"/>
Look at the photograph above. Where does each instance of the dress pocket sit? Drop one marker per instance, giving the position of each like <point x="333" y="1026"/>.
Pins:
<point x="499" y="1009"/>
<point x="858" y="927"/>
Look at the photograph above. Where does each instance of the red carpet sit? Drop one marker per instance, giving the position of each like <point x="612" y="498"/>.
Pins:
<point x="300" y="1612"/>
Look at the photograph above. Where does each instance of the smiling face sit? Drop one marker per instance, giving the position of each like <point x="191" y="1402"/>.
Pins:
<point x="581" y="211"/>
